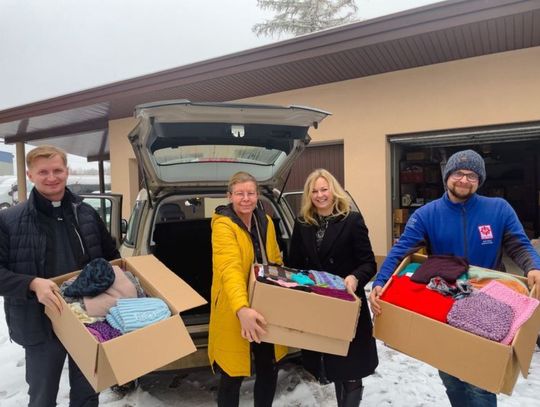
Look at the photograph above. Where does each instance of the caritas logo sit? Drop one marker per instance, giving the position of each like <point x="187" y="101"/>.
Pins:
<point x="485" y="232"/>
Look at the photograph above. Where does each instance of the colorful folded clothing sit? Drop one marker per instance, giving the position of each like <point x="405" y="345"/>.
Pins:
<point x="130" y="314"/>
<point x="418" y="298"/>
<point x="518" y="287"/>
<point x="325" y="279"/>
<point x="482" y="315"/>
<point x="479" y="273"/>
<point x="458" y="290"/>
<point x="276" y="272"/>
<point x="302" y="279"/>
<point x="522" y="306"/>
<point x="282" y="283"/>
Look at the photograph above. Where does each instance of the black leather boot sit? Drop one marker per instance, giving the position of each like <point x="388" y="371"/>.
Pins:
<point x="339" y="393"/>
<point x="352" y="398"/>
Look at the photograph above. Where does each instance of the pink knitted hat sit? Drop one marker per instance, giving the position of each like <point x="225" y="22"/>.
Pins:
<point x="523" y="306"/>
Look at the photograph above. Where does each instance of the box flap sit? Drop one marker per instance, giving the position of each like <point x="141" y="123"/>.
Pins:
<point x="147" y="349"/>
<point x="525" y="341"/>
<point x="175" y="291"/>
<point x="510" y="376"/>
<point x="82" y="346"/>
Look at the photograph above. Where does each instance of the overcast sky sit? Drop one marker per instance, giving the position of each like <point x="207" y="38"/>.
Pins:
<point x="50" y="48"/>
<point x="53" y="47"/>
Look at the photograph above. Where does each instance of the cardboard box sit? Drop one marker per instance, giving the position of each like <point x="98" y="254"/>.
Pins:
<point x="398" y="229"/>
<point x="401" y="215"/>
<point x="484" y="363"/>
<point x="304" y="320"/>
<point x="134" y="354"/>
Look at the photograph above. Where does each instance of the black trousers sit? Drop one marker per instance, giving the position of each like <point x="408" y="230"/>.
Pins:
<point x="266" y="373"/>
<point x="44" y="364"/>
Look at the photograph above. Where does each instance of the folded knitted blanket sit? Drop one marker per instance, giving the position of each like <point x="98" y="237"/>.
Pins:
<point x="522" y="306"/>
<point x="130" y="314"/>
<point x="482" y="315"/>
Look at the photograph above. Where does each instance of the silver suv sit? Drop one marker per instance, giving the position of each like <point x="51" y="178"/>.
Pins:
<point x="187" y="152"/>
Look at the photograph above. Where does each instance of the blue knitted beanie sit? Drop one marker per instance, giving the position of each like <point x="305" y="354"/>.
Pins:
<point x="466" y="160"/>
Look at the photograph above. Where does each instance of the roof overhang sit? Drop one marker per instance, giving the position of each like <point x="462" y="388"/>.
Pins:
<point x="436" y="33"/>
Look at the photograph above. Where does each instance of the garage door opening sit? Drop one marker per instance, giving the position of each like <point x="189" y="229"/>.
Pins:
<point x="512" y="158"/>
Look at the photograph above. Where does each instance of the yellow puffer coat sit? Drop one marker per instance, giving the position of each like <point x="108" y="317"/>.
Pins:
<point x="233" y="255"/>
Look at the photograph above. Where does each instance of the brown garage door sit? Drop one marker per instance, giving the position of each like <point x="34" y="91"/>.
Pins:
<point x="317" y="155"/>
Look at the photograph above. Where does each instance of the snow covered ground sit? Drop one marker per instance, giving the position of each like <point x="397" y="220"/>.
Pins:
<point x="398" y="381"/>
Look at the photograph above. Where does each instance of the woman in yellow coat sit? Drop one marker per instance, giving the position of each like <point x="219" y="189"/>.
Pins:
<point x="235" y="328"/>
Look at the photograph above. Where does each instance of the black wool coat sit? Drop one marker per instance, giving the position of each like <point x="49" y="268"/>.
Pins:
<point x="345" y="249"/>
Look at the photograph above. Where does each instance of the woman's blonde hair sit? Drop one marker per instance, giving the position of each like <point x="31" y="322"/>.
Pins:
<point x="341" y="204"/>
<point x="239" y="178"/>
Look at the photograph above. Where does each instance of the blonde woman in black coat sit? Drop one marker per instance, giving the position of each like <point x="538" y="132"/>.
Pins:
<point x="328" y="236"/>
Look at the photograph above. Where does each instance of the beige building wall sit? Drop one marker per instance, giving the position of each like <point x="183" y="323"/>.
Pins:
<point x="124" y="175"/>
<point x="493" y="89"/>
<point x="488" y="90"/>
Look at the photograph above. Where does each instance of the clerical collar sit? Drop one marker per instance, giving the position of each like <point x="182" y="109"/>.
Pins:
<point x="48" y="207"/>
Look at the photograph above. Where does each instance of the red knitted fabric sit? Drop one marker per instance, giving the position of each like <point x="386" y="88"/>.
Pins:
<point x="418" y="298"/>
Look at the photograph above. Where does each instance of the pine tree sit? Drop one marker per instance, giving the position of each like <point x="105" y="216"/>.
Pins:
<point x="304" y="16"/>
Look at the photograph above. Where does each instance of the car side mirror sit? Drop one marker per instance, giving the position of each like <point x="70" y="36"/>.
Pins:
<point x="124" y="226"/>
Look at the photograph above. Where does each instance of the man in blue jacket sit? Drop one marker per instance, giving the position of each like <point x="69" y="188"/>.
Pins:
<point x="463" y="223"/>
<point x="51" y="234"/>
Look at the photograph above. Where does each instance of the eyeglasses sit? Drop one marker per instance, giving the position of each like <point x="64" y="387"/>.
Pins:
<point x="240" y="194"/>
<point x="471" y="176"/>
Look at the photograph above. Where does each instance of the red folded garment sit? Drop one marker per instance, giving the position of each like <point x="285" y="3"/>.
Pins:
<point x="418" y="298"/>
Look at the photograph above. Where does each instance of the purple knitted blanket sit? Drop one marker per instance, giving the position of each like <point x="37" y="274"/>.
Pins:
<point x="482" y="315"/>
